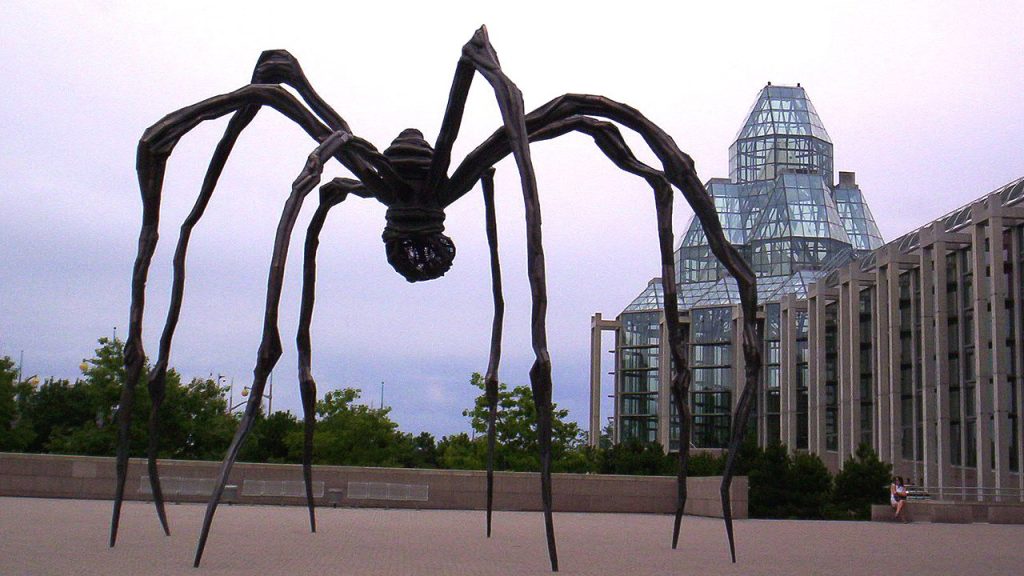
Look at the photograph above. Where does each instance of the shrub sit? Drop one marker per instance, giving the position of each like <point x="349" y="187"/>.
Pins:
<point x="863" y="481"/>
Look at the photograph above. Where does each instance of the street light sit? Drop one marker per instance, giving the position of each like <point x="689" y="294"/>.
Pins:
<point x="245" y="394"/>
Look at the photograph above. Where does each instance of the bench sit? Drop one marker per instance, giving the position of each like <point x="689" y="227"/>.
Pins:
<point x="287" y="488"/>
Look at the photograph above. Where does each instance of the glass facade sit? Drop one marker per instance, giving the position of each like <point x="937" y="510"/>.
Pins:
<point x="802" y="379"/>
<point x="637" y="409"/>
<point x="772" y="359"/>
<point x="712" y="385"/>
<point x="782" y="210"/>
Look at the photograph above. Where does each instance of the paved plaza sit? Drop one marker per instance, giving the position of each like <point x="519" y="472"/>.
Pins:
<point x="42" y="537"/>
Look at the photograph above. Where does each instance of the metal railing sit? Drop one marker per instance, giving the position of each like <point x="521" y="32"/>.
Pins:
<point x="974" y="493"/>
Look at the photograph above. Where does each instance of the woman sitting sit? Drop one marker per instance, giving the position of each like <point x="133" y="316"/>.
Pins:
<point x="898" y="497"/>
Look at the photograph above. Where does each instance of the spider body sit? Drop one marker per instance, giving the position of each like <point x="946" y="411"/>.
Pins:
<point x="413" y="237"/>
<point x="412" y="179"/>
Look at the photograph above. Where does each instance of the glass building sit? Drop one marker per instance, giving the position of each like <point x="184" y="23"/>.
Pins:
<point x="912" y="347"/>
<point x="782" y="210"/>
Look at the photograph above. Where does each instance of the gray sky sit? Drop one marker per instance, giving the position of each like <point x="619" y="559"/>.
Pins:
<point x="922" y="100"/>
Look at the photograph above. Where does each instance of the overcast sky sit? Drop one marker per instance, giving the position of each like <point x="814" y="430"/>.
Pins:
<point x="922" y="100"/>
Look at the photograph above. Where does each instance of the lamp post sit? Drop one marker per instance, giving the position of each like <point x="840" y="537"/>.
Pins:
<point x="222" y="383"/>
<point x="245" y="394"/>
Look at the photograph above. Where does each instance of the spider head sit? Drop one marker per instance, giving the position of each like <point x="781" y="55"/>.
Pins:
<point x="413" y="239"/>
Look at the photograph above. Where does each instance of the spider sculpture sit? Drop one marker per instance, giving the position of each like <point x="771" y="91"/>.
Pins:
<point x="413" y="181"/>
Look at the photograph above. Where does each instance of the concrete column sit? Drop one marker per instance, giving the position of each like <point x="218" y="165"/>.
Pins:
<point x="882" y="351"/>
<point x="595" y="379"/>
<point x="597" y="327"/>
<point x="894" y="357"/>
<point x="815" y="343"/>
<point x="940" y="307"/>
<point x="929" y="365"/>
<point x="983" y="368"/>
<point x="849" y="357"/>
<point x="1018" y="318"/>
<point x="999" y="329"/>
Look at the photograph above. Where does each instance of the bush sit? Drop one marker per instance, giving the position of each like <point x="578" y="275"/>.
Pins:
<point x="863" y="481"/>
<point x="784" y="486"/>
<point x="633" y="457"/>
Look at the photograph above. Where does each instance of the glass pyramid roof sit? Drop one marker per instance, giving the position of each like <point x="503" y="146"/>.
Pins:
<point x="652" y="298"/>
<point x="779" y="208"/>
<point x="783" y="111"/>
<point x="801" y="205"/>
<point x="857" y="218"/>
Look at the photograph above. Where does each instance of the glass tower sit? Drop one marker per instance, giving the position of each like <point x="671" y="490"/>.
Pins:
<point x="783" y="210"/>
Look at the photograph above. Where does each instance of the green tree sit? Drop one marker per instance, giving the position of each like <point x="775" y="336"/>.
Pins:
<point x="16" y="431"/>
<point x="194" y="420"/>
<point x="459" y="452"/>
<point x="782" y="486"/>
<point x="424" y="452"/>
<point x="356" y="435"/>
<point x="863" y="481"/>
<point x="809" y="489"/>
<point x="704" y="464"/>
<point x="516" y="431"/>
<point x="81" y="417"/>
<point x="275" y="438"/>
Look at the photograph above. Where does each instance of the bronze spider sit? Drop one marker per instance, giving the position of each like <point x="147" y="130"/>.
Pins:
<point x="412" y="179"/>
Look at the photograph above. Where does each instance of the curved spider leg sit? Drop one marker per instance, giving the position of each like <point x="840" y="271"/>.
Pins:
<point x="270" y="345"/>
<point x="609" y="140"/>
<point x="479" y="52"/>
<point x="479" y="55"/>
<point x="273" y="66"/>
<point x="491" y="379"/>
<point x="331" y="194"/>
<point x="680" y="172"/>
<point x="155" y="147"/>
<point x="158" y="375"/>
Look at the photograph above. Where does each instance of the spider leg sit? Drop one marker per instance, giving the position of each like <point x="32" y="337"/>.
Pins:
<point x="158" y="375"/>
<point x="491" y="379"/>
<point x="331" y="194"/>
<point x="680" y="172"/>
<point x="480" y="54"/>
<point x="610" y="142"/>
<point x="155" y="147"/>
<point x="270" y="346"/>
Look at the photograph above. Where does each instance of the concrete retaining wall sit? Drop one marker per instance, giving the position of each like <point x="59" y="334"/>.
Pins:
<point x="55" y="476"/>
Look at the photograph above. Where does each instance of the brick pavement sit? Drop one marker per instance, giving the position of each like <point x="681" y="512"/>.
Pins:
<point x="44" y="537"/>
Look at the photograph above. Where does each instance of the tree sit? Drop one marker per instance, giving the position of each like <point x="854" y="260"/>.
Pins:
<point x="516" y="430"/>
<point x="16" y="432"/>
<point x="863" y="481"/>
<point x="782" y="486"/>
<point x="275" y="438"/>
<point x="809" y="489"/>
<point x="356" y="435"/>
<point x="424" y="453"/>
<point x="194" y="420"/>
<point x="459" y="452"/>
<point x="81" y="417"/>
